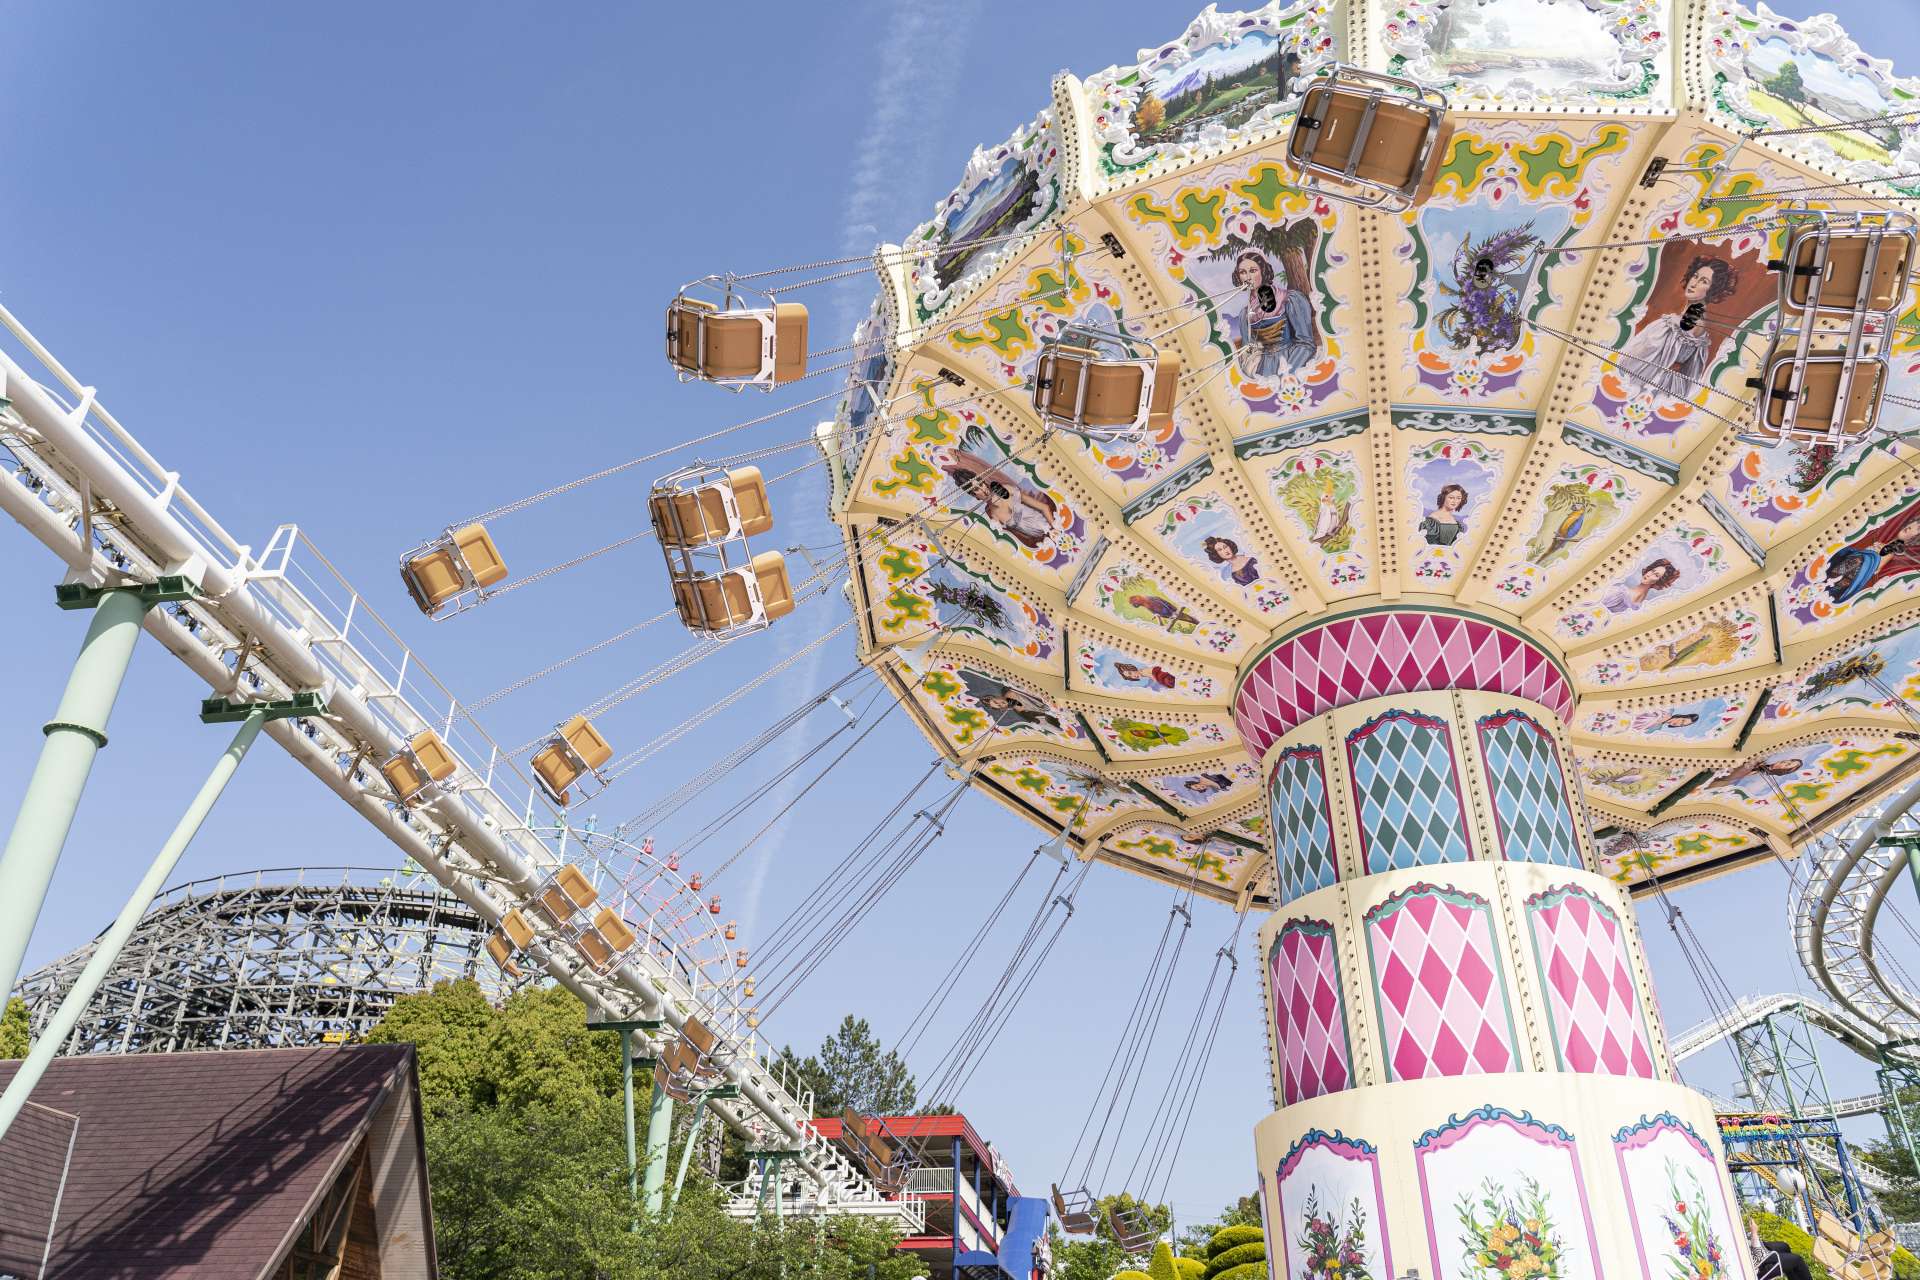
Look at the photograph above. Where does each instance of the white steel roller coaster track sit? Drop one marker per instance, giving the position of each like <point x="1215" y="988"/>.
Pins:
<point x="112" y="513"/>
<point x="1834" y="913"/>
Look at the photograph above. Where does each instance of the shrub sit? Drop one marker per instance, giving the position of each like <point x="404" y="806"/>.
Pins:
<point x="1195" y="1269"/>
<point x="1227" y="1237"/>
<point x="1131" y="1275"/>
<point x="1239" y="1255"/>
<point x="1777" y="1230"/>
<point x="1246" y="1271"/>
<point x="1160" y="1266"/>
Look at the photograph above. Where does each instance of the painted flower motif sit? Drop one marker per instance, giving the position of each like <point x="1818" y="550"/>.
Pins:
<point x="1509" y="1235"/>
<point x="1696" y="1251"/>
<point x="1333" y="1245"/>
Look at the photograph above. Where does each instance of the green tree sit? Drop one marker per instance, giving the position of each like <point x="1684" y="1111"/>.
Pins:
<point x="1244" y="1212"/>
<point x="1786" y="83"/>
<point x="1891" y="1158"/>
<point x="851" y="1070"/>
<point x="1103" y="1255"/>
<point x="14" y="1041"/>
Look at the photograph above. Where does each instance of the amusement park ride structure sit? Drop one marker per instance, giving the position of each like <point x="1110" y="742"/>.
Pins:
<point x="1423" y="483"/>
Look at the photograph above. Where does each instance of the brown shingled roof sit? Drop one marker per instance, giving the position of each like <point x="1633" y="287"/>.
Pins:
<point x="205" y="1164"/>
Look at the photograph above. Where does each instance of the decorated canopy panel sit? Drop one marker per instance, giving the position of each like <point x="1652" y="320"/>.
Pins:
<point x="1490" y="404"/>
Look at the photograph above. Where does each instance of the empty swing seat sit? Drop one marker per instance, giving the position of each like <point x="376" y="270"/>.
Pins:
<point x="1801" y="400"/>
<point x="569" y="892"/>
<point x="423" y="761"/>
<point x="731" y="507"/>
<point x="760" y="346"/>
<point x="606" y="940"/>
<point x="463" y="560"/>
<point x="1075" y="1211"/>
<point x="575" y="750"/>
<point x="1360" y="130"/>
<point x="502" y="952"/>
<point x="749" y="596"/>
<point x="1838" y="271"/>
<point x="1132" y="1228"/>
<point x="1077" y="388"/>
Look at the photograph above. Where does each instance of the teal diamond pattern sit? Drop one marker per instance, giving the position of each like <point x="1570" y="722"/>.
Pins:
<point x="1529" y="791"/>
<point x="1303" y="856"/>
<point x="1406" y="789"/>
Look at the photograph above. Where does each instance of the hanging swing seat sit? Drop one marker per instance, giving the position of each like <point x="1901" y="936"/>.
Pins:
<point x="735" y="601"/>
<point x="1077" y="1211"/>
<point x="1824" y="396"/>
<point x="575" y="750"/>
<point x="424" y="761"/>
<point x="568" y="892"/>
<point x="606" y="941"/>
<point x="695" y="511"/>
<point x="1369" y="139"/>
<point x="1835" y="265"/>
<point x="502" y="952"/>
<point x="457" y="562"/>
<point x="735" y="345"/>
<point x="1131" y="1227"/>
<point x="518" y="928"/>
<point x="1083" y="385"/>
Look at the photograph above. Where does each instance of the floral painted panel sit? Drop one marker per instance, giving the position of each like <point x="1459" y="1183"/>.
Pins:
<point x="1504" y="1199"/>
<point x="1680" y="722"/>
<point x="1332" y="1217"/>
<point x="1205" y="531"/>
<point x="1323" y="492"/>
<point x="1145" y="601"/>
<point x="1669" y="571"/>
<point x="1577" y="504"/>
<point x="1531" y="53"/>
<point x="1453" y="486"/>
<point x="1874" y="563"/>
<point x="917" y="591"/>
<point x="1875" y="674"/>
<point x="1683" y="1226"/>
<point x="1065" y="793"/>
<point x="1213" y="859"/>
<point x="1107" y="668"/>
<point x="975" y="708"/>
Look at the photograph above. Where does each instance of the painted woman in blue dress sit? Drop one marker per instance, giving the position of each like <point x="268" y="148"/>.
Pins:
<point x="1277" y="334"/>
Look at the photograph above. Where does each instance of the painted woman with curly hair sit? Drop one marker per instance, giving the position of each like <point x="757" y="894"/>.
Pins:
<point x="1669" y="357"/>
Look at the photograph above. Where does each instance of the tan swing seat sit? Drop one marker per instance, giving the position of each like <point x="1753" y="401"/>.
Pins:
<point x="574" y="751"/>
<point x="443" y="571"/>
<point x="699" y="516"/>
<point x="424" y="760"/>
<point x="518" y="928"/>
<point x="1853" y="257"/>
<point x="1817" y="413"/>
<point x="1131" y="1228"/>
<point x="1074" y="1212"/>
<point x="502" y="952"/>
<point x="606" y="940"/>
<point x="765" y="345"/>
<point x="718" y="602"/>
<point x="1114" y="388"/>
<point x="1395" y="154"/>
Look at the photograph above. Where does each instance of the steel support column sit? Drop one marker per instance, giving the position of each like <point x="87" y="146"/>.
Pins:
<point x="73" y="738"/>
<point x="107" y="951"/>
<point x="659" y="1133"/>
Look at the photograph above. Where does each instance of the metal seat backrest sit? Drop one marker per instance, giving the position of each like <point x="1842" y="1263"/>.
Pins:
<point x="574" y="883"/>
<point x="475" y="546"/>
<point x="586" y="742"/>
<point x="750" y="500"/>
<point x="790" y="342"/>
<point x="700" y="1036"/>
<point x="1815" y="402"/>
<point x="1880" y="260"/>
<point x="517" y="927"/>
<point x="776" y="591"/>
<point x="432" y="579"/>
<point x="615" y="930"/>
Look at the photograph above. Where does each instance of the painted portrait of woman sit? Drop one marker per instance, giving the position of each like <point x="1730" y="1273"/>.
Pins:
<point x="1629" y="595"/>
<point x="1443" y="525"/>
<point x="1669" y="356"/>
<point x="1276" y="328"/>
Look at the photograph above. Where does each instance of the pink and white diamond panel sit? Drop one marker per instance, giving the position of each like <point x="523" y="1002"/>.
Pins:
<point x="1598" y="1025"/>
<point x="1309" y="1020"/>
<point x="1443" y="1002"/>
<point x="1398" y="651"/>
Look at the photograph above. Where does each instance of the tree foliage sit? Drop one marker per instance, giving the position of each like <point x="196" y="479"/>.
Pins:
<point x="851" y="1070"/>
<point x="1103" y="1255"/>
<point x="526" y="1157"/>
<point x="1891" y="1158"/>
<point x="14" y="1041"/>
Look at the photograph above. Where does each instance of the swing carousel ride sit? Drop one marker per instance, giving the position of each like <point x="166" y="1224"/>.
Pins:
<point x="1427" y="472"/>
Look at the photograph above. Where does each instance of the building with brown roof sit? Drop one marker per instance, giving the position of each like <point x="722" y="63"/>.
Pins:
<point x="269" y="1164"/>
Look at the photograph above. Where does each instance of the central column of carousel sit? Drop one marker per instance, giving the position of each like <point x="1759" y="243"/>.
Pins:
<point x="1469" y="1066"/>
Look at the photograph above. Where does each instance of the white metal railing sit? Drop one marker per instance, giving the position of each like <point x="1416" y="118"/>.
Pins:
<point x="291" y="623"/>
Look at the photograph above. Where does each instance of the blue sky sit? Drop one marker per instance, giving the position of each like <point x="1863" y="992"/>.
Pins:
<point x="369" y="269"/>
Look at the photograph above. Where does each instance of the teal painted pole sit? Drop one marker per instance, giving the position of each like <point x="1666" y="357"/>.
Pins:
<point x="633" y="1150"/>
<point x="74" y="736"/>
<point x="659" y="1132"/>
<point x="108" y="948"/>
<point x="686" y="1151"/>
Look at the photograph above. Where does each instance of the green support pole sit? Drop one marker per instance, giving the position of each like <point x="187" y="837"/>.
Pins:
<point x="686" y="1150"/>
<point x="659" y="1132"/>
<point x="107" y="950"/>
<point x="73" y="737"/>
<point x="633" y="1151"/>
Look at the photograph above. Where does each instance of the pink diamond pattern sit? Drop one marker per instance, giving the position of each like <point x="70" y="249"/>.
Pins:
<point x="1400" y="651"/>
<point x="1443" y="1005"/>
<point x="1309" y="1020"/>
<point x="1597" y="1022"/>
